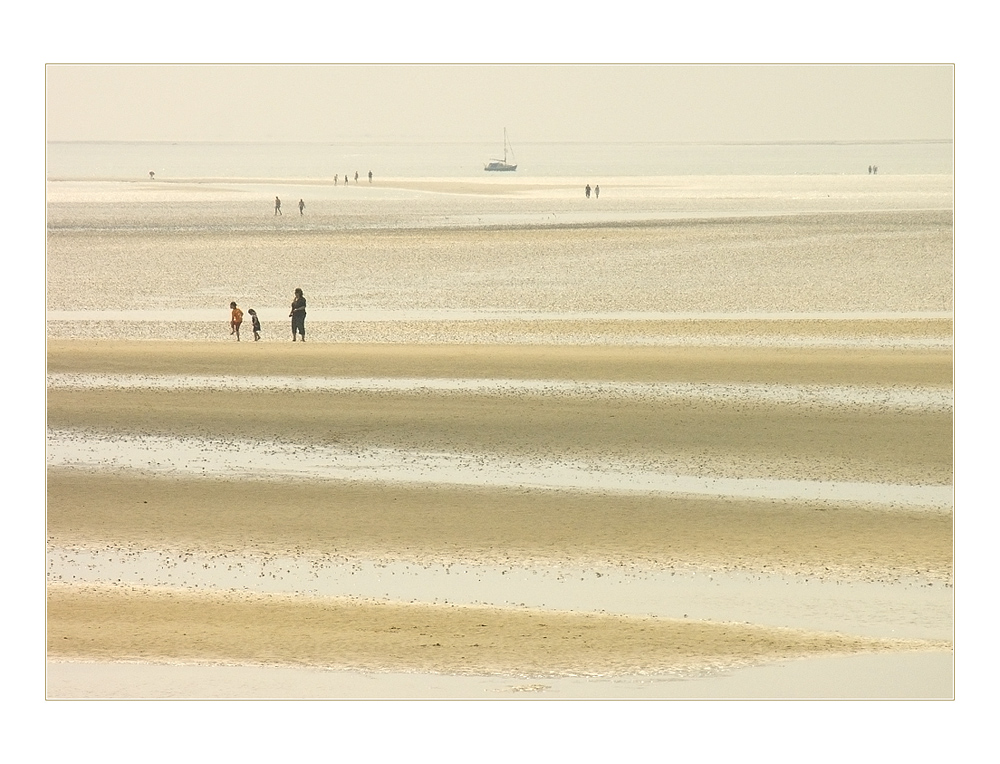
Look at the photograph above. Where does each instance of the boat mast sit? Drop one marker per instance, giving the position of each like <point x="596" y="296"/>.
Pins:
<point x="506" y="145"/>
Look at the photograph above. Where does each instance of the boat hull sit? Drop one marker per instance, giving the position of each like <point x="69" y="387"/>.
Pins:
<point x="495" y="165"/>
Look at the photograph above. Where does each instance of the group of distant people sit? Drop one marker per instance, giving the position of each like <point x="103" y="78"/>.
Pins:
<point x="597" y="191"/>
<point x="336" y="178"/>
<point x="298" y="316"/>
<point x="873" y="169"/>
<point x="336" y="181"/>
<point x="302" y="204"/>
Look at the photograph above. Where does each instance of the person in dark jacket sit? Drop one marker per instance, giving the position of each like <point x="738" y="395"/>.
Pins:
<point x="298" y="315"/>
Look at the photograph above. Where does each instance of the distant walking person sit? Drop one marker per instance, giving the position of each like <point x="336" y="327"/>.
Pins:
<point x="256" y="324"/>
<point x="335" y="179"/>
<point x="869" y="169"/>
<point x="355" y="176"/>
<point x="235" y="320"/>
<point x="597" y="192"/>
<point x="369" y="176"/>
<point x="587" y="190"/>
<point x="277" y="206"/>
<point x="345" y="178"/>
<point x="298" y="315"/>
<point x="302" y="206"/>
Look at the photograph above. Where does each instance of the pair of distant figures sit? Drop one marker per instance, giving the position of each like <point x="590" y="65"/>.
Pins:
<point x="597" y="191"/>
<point x="277" y="206"/>
<point x="236" y="320"/>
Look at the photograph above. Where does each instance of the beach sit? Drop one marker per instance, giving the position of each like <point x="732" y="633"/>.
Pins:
<point x="666" y="445"/>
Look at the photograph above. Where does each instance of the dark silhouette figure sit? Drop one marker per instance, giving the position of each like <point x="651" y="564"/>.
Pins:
<point x="355" y="176"/>
<point x="256" y="324"/>
<point x="302" y="206"/>
<point x="335" y="179"/>
<point x="298" y="315"/>
<point x="587" y="190"/>
<point x="369" y="176"/>
<point x="277" y="206"/>
<point x="151" y="174"/>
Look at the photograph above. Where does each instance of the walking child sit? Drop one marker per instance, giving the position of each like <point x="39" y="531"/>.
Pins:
<point x="256" y="324"/>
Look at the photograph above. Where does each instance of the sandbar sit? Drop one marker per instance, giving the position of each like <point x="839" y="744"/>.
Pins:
<point x="131" y="623"/>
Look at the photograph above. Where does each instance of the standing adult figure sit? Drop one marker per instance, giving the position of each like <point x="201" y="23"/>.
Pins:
<point x="369" y="176"/>
<point x="277" y="206"/>
<point x="587" y="191"/>
<point x="298" y="315"/>
<point x="302" y="205"/>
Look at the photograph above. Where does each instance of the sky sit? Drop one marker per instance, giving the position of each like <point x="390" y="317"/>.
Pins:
<point x="427" y="103"/>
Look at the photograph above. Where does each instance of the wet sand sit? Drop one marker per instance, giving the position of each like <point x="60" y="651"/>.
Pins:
<point x="118" y="623"/>
<point x="730" y="437"/>
<point x="653" y="364"/>
<point x="455" y="523"/>
<point x="708" y="420"/>
<point x="901" y="675"/>
<point x="834" y="263"/>
<point x="444" y="524"/>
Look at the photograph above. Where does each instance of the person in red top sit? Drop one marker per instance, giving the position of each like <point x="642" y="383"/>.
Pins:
<point x="235" y="321"/>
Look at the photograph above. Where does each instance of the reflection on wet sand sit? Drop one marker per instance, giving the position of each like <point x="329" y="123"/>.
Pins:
<point x="679" y="438"/>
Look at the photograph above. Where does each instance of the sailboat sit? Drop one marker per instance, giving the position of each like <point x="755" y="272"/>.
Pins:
<point x="496" y="165"/>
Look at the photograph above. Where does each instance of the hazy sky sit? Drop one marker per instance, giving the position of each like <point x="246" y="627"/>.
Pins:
<point x="599" y="103"/>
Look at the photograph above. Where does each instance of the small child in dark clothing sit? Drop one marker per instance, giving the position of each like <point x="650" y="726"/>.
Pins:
<point x="256" y="324"/>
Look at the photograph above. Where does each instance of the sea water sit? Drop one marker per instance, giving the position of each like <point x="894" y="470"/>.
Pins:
<point x="130" y="161"/>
